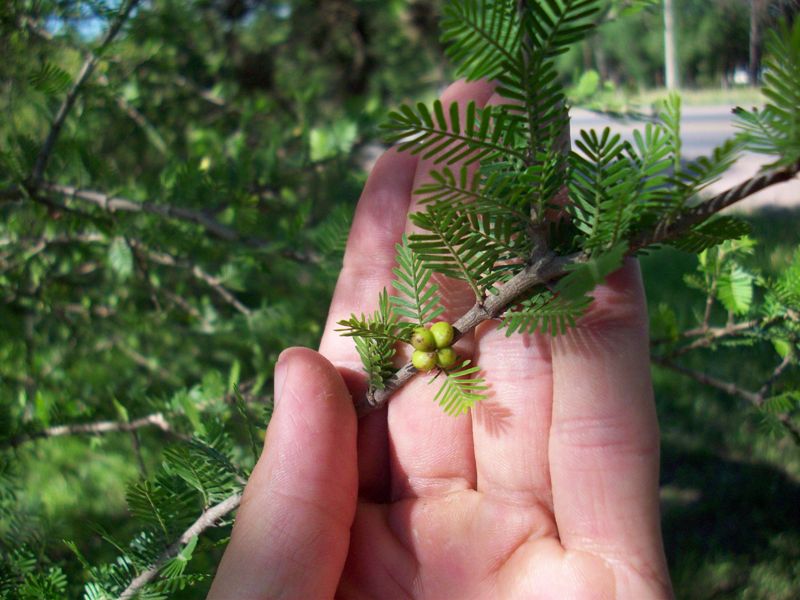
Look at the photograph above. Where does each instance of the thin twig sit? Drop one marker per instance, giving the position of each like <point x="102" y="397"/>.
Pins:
<point x="713" y="332"/>
<point x="667" y="231"/>
<point x="776" y="373"/>
<point x="206" y="520"/>
<point x="206" y="95"/>
<point x="145" y="362"/>
<point x="712" y="293"/>
<point x="96" y="428"/>
<point x="755" y="398"/>
<point x="114" y="204"/>
<point x="213" y="282"/>
<point x="69" y="101"/>
<point x="549" y="267"/>
<point x="546" y="268"/>
<point x="706" y="337"/>
<point x="137" y="450"/>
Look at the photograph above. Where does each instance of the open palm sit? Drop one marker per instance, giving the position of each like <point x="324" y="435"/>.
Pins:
<point x="548" y="489"/>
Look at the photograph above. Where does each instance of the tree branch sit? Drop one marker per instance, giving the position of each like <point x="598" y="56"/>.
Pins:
<point x="206" y="520"/>
<point x="213" y="282"/>
<point x="549" y="267"/>
<point x="707" y="336"/>
<point x="69" y="101"/>
<point x="114" y="204"/>
<point x="546" y="268"/>
<point x="755" y="398"/>
<point x="776" y="373"/>
<point x="97" y="428"/>
<point x="667" y="231"/>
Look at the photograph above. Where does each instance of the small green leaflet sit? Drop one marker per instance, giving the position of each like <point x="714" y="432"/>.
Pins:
<point x="545" y="312"/>
<point x="782" y="403"/>
<point x="375" y="338"/>
<point x="735" y="289"/>
<point x="120" y="258"/>
<point x="581" y="278"/>
<point x="50" y="79"/>
<point x="460" y="391"/>
<point x="485" y="134"/>
<point x="177" y="565"/>
<point x="419" y="301"/>
<point x="712" y="232"/>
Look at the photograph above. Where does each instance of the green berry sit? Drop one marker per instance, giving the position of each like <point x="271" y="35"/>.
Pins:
<point x="422" y="339"/>
<point x="446" y="358"/>
<point x="442" y="334"/>
<point x="423" y="361"/>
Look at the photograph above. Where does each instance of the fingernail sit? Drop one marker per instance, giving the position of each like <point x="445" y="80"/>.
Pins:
<point x="281" y="367"/>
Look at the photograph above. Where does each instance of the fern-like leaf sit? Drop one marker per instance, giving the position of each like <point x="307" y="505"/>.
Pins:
<point x="775" y="130"/>
<point x="455" y="246"/>
<point x="703" y="171"/>
<point x="552" y="26"/>
<point x="548" y="29"/>
<point x="461" y="389"/>
<point x="544" y="312"/>
<point x="50" y="79"/>
<point x="670" y="116"/>
<point x="711" y="233"/>
<point x="375" y="339"/>
<point x="420" y="301"/>
<point x="782" y="403"/>
<point x="177" y="565"/>
<point x="481" y="36"/>
<point x="486" y="134"/>
<point x="602" y="185"/>
<point x="581" y="278"/>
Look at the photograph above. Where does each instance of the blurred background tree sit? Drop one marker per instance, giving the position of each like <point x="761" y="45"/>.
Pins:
<point x="174" y="200"/>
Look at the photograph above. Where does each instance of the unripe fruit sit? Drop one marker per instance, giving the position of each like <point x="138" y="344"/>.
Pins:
<point x="423" y="361"/>
<point x="422" y="339"/>
<point x="446" y="358"/>
<point x="442" y="334"/>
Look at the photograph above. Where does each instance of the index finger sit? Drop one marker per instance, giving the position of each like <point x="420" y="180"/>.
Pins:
<point x="378" y="225"/>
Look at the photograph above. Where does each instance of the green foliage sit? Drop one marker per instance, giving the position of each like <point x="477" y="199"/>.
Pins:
<point x="419" y="301"/>
<point x="460" y="389"/>
<point x="712" y="233"/>
<point x="192" y="115"/>
<point x="193" y="213"/>
<point x="775" y="129"/>
<point x="601" y="187"/>
<point x="50" y="79"/>
<point x="482" y="37"/>
<point x="376" y="337"/>
<point x="725" y="277"/>
<point x="582" y="278"/>
<point x="464" y="245"/>
<point x="545" y="312"/>
<point x="488" y="133"/>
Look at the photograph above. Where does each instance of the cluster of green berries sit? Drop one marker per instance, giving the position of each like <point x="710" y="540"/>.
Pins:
<point x="432" y="347"/>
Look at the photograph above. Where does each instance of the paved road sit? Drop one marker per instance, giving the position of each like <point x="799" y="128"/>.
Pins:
<point x="702" y="129"/>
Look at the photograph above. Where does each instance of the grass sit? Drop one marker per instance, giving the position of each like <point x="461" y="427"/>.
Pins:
<point x="617" y="100"/>
<point x="730" y="489"/>
<point x="745" y="96"/>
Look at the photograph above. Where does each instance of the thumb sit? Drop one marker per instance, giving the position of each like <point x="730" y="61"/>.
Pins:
<point x="292" y="530"/>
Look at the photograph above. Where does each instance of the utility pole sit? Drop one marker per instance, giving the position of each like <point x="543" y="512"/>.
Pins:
<point x="755" y="41"/>
<point x="670" y="56"/>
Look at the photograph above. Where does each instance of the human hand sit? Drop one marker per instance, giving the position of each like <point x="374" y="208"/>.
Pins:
<point x="549" y="489"/>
